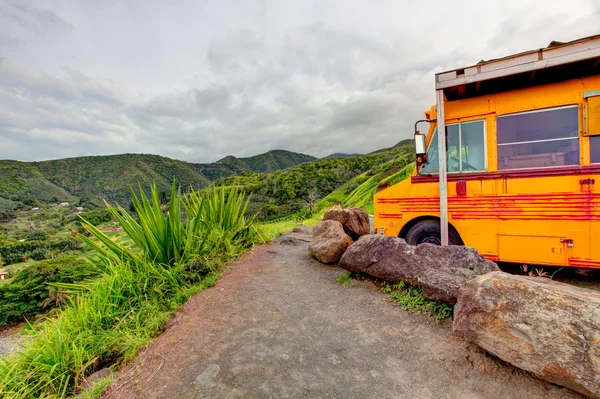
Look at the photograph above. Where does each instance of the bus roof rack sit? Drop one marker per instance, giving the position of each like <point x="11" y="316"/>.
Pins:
<point x="558" y="61"/>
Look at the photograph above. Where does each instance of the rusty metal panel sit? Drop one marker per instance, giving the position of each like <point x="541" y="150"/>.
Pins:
<point x="592" y="111"/>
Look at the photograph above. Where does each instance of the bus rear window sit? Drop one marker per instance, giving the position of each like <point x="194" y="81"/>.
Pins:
<point x="538" y="139"/>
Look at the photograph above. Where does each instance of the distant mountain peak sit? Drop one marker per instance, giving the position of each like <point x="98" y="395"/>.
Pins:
<point x="341" y="155"/>
<point x="227" y="159"/>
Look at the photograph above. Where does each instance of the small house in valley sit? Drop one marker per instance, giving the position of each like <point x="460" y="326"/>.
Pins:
<point x="3" y="274"/>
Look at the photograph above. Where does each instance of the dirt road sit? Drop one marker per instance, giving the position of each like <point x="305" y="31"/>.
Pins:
<point x="280" y="326"/>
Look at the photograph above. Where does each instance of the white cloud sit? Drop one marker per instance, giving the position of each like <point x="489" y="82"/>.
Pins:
<point x="199" y="81"/>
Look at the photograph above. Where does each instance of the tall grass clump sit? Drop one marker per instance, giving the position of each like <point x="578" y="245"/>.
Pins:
<point x="109" y="320"/>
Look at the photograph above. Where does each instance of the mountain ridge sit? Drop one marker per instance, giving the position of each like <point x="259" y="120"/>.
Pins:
<point x="341" y="155"/>
<point x="86" y="179"/>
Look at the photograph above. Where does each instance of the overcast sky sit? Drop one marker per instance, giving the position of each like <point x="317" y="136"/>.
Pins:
<point x="199" y="80"/>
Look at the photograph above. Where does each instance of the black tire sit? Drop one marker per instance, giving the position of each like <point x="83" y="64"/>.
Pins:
<point x="428" y="231"/>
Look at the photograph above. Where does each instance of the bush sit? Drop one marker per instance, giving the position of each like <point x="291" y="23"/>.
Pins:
<point x="16" y="252"/>
<point x="37" y="235"/>
<point x="26" y="293"/>
<point x="7" y="214"/>
<point x="97" y="216"/>
<point x="114" y="316"/>
<point x="39" y="254"/>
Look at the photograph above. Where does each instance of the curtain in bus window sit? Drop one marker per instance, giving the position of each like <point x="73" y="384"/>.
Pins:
<point x="595" y="149"/>
<point x="538" y="139"/>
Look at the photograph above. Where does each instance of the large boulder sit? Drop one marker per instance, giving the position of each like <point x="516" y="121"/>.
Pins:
<point x="548" y="328"/>
<point x="355" y="220"/>
<point x="329" y="241"/>
<point x="439" y="271"/>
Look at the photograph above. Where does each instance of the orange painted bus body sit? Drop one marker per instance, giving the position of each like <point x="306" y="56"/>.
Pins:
<point x="545" y="216"/>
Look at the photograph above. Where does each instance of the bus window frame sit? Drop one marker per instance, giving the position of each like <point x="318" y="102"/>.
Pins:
<point x="485" y="147"/>
<point x="547" y="109"/>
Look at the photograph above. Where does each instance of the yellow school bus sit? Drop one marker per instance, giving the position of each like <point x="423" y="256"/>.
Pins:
<point x="523" y="161"/>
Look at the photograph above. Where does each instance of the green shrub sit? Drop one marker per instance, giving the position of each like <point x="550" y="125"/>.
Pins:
<point x="15" y="252"/>
<point x="37" y="235"/>
<point x="39" y="254"/>
<point x="344" y="279"/>
<point x="97" y="216"/>
<point x="412" y="300"/>
<point x="26" y="293"/>
<point x="111" y="318"/>
<point x="7" y="209"/>
<point x="63" y="244"/>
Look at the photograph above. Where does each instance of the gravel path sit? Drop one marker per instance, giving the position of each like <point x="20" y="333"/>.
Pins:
<point x="9" y="341"/>
<point x="280" y="326"/>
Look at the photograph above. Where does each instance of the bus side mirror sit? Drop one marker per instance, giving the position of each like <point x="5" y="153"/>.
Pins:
<point x="420" y="148"/>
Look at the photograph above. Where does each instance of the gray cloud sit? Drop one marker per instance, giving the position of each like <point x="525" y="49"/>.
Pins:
<point x="201" y="81"/>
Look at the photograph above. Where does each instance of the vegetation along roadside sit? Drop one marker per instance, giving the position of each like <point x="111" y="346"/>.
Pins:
<point x="177" y="253"/>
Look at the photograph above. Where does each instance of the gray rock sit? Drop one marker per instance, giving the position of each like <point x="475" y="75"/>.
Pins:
<point x="439" y="271"/>
<point x="303" y="229"/>
<point x="206" y="381"/>
<point x="354" y="220"/>
<point x="329" y="241"/>
<point x="285" y="240"/>
<point x="548" y="328"/>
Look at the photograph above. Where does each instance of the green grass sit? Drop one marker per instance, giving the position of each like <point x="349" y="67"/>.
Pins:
<point x="344" y="279"/>
<point x="108" y="320"/>
<point x="411" y="299"/>
<point x="17" y="267"/>
<point x="96" y="390"/>
<point x="269" y="231"/>
<point x="359" y="191"/>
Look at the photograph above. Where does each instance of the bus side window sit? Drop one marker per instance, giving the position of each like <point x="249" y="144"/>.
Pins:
<point x="538" y="139"/>
<point x="594" y="149"/>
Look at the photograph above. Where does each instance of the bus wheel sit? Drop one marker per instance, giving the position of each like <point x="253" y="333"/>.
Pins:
<point x="428" y="231"/>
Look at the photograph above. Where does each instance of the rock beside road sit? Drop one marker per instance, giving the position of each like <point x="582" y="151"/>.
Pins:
<point x="439" y="271"/>
<point x="329" y="241"/>
<point x="354" y="220"/>
<point x="548" y="328"/>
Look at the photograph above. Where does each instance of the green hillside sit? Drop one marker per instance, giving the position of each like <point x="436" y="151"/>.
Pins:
<point x="86" y="180"/>
<point x="341" y="155"/>
<point x="402" y="143"/>
<point x="268" y="162"/>
<point x="313" y="185"/>
<point x="275" y="160"/>
<point x="227" y="166"/>
<point x="110" y="177"/>
<point x="23" y="182"/>
<point x="358" y="192"/>
<point x="282" y="183"/>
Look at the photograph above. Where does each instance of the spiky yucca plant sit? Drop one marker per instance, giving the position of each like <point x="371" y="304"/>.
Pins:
<point x="215" y="219"/>
<point x="114" y="316"/>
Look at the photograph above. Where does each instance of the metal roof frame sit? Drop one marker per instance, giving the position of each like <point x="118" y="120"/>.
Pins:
<point x="529" y="61"/>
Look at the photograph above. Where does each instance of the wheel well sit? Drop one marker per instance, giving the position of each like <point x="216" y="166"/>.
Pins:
<point x="410" y="224"/>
